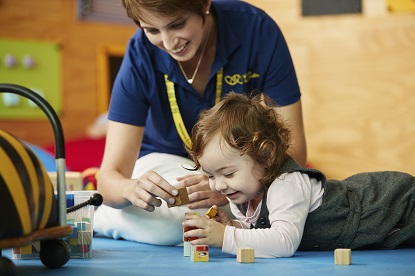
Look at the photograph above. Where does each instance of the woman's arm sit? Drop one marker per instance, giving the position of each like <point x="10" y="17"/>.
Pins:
<point x="293" y="115"/>
<point x="122" y="147"/>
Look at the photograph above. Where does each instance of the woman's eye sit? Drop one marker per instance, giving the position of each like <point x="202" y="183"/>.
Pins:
<point x="178" y="25"/>
<point x="211" y="177"/>
<point x="151" y="31"/>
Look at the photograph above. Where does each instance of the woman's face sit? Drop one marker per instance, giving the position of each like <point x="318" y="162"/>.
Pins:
<point x="180" y="36"/>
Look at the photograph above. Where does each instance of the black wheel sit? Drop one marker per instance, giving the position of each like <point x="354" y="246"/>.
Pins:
<point x="7" y="267"/>
<point x="54" y="253"/>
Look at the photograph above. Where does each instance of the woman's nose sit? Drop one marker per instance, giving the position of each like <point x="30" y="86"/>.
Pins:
<point x="168" y="40"/>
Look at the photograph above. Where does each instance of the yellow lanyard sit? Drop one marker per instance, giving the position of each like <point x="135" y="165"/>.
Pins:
<point x="175" y="111"/>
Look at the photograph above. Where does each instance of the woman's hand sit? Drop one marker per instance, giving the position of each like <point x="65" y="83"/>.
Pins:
<point x="145" y="191"/>
<point x="200" y="194"/>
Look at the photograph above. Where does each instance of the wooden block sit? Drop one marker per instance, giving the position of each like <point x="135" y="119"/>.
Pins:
<point x="182" y="198"/>
<point x="342" y="256"/>
<point x="186" y="249"/>
<point x="199" y="253"/>
<point x="245" y="255"/>
<point x="211" y="212"/>
<point x="85" y="237"/>
<point x="26" y="249"/>
<point x="73" y="181"/>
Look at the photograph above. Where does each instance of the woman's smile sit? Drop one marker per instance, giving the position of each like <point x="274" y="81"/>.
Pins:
<point x="179" y="50"/>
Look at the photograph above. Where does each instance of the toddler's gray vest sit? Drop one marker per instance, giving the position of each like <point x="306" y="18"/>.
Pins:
<point x="367" y="210"/>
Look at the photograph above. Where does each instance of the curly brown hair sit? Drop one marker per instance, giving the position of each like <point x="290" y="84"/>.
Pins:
<point x="248" y="123"/>
<point x="168" y="8"/>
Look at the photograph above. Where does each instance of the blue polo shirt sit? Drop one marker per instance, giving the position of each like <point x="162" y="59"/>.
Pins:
<point x="251" y="50"/>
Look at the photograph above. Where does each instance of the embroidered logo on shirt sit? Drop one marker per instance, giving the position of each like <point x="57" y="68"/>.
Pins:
<point x="240" y="79"/>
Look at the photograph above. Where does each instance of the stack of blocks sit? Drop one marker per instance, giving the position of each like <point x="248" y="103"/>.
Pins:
<point x="200" y="253"/>
<point x="187" y="247"/>
<point x="80" y="241"/>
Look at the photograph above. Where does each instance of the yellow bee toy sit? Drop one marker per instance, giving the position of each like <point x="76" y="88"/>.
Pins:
<point x="29" y="208"/>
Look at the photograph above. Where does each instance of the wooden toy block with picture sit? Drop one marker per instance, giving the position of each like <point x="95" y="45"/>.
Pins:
<point x="182" y="198"/>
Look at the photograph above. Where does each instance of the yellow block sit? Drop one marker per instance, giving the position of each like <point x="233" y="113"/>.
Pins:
<point x="199" y="253"/>
<point x="26" y="249"/>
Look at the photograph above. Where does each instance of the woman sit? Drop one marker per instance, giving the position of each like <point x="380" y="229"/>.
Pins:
<point x="184" y="57"/>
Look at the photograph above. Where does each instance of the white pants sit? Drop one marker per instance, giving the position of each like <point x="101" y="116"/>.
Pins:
<point x="161" y="227"/>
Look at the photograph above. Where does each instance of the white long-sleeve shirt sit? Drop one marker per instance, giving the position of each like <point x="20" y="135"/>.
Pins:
<point x="289" y="200"/>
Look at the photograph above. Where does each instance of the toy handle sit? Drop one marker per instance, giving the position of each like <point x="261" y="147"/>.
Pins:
<point x="59" y="140"/>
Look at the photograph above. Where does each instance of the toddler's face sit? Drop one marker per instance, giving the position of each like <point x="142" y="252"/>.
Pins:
<point x="229" y="172"/>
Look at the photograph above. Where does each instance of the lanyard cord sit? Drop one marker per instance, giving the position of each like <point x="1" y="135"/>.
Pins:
<point x="175" y="111"/>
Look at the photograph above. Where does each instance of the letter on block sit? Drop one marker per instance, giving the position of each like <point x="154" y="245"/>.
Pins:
<point x="342" y="256"/>
<point x="245" y="255"/>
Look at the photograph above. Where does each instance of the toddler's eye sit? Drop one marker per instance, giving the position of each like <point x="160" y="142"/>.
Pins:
<point x="229" y="175"/>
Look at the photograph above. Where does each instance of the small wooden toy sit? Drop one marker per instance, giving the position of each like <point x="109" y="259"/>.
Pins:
<point x="182" y="198"/>
<point x="73" y="180"/>
<point x="199" y="253"/>
<point x="245" y="255"/>
<point x="342" y="256"/>
<point x="211" y="213"/>
<point x="187" y="248"/>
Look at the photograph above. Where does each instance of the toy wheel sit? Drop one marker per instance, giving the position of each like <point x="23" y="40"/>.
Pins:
<point x="7" y="267"/>
<point x="54" y="253"/>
